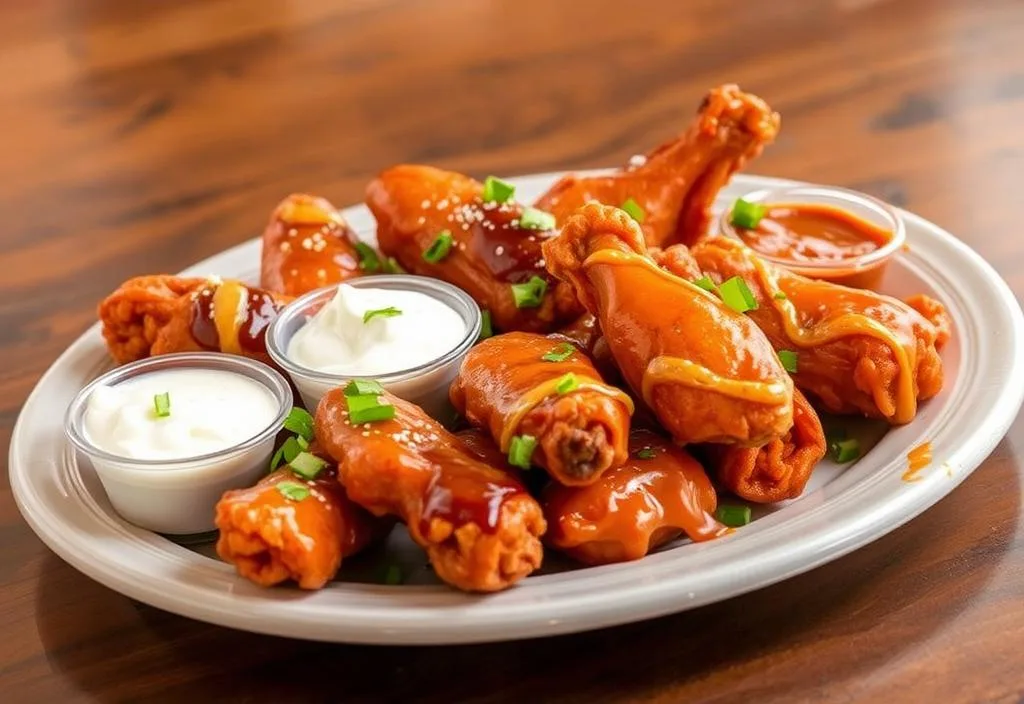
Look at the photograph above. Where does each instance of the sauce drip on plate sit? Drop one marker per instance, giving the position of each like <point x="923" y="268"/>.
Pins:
<point x="918" y="458"/>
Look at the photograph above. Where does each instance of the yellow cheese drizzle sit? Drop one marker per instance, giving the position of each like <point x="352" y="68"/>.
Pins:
<point x="229" y="313"/>
<point x="307" y="211"/>
<point x="532" y="398"/>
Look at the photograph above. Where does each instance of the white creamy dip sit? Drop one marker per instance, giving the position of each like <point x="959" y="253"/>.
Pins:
<point x="208" y="411"/>
<point x="343" y="337"/>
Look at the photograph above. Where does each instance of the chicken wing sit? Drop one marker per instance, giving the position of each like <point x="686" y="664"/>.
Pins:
<point x="490" y="248"/>
<point x="677" y="183"/>
<point x="307" y="245"/>
<point x="707" y="372"/>
<point x="153" y="315"/>
<point x="271" y="538"/>
<point x="543" y="388"/>
<point x="660" y="493"/>
<point x="856" y="351"/>
<point x="479" y="526"/>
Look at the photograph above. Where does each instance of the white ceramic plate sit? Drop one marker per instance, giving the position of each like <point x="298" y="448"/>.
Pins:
<point x="842" y="509"/>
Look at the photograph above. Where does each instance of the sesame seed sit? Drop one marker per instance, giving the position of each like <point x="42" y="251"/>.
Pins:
<point x="499" y="250"/>
<point x="442" y="204"/>
<point x="421" y="221"/>
<point x="425" y="204"/>
<point x="637" y="160"/>
<point x="321" y="274"/>
<point x="294" y="272"/>
<point x="365" y="434"/>
<point x="292" y="232"/>
<point x="307" y="243"/>
<point x="286" y="246"/>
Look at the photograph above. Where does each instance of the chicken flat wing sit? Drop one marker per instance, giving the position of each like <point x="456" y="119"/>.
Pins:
<point x="677" y="183"/>
<point x="479" y="526"/>
<point x="776" y="471"/>
<point x="707" y="372"/>
<point x="660" y="493"/>
<point x="272" y="535"/>
<point x="490" y="249"/>
<point x="153" y="315"/>
<point x="543" y="388"/>
<point x="857" y="351"/>
<point x="307" y="245"/>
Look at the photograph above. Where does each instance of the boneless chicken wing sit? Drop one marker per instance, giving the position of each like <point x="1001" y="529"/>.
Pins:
<point x="545" y="389"/>
<point x="676" y="184"/>
<point x="154" y="315"/>
<point x="706" y="371"/>
<point x="436" y="223"/>
<point x="480" y="528"/>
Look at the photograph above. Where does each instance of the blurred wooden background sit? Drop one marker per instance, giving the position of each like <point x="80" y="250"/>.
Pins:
<point x="141" y="137"/>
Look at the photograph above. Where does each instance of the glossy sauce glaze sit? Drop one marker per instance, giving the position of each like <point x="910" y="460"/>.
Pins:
<point x="813" y="232"/>
<point x="233" y="318"/>
<point x="659" y="493"/>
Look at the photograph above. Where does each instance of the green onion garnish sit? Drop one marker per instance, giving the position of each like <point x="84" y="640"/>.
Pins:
<point x="393" y="575"/>
<point x="162" y="404"/>
<point x="705" y="283"/>
<point x="634" y="210"/>
<point x="534" y="219"/>
<point x="300" y="422"/>
<point x="559" y="353"/>
<point x="439" y="248"/>
<point x="567" y="383"/>
<point x="733" y="516"/>
<point x="391" y="266"/>
<point x="530" y="294"/>
<point x="520" y="450"/>
<point x="303" y="442"/>
<point x="646" y="453"/>
<point x="485" y="325"/>
<point x="368" y="259"/>
<point x="307" y="465"/>
<point x="779" y="296"/>
<point x="746" y="214"/>
<point x="293" y="491"/>
<point x="844" y="451"/>
<point x="736" y="294"/>
<point x="368" y="409"/>
<point x="389" y="312"/>
<point x="363" y="387"/>
<point x="288" y="451"/>
<point x="496" y="190"/>
<point x="788" y="359"/>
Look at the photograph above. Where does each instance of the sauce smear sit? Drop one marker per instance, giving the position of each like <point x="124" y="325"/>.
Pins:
<point x="917" y="459"/>
<point x="811" y="232"/>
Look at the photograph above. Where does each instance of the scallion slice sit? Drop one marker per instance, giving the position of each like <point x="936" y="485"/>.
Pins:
<point x="293" y="491"/>
<point x="559" y="353"/>
<point x="779" y="296"/>
<point x="486" y="330"/>
<point x="288" y="451"/>
<point x="496" y="190"/>
<point x="389" y="312"/>
<point x="567" y="383"/>
<point x="788" y="359"/>
<point x="368" y="409"/>
<point x="646" y="453"/>
<point x="736" y="294"/>
<point x="746" y="214"/>
<point x="520" y="450"/>
<point x="634" y="210"/>
<point x="307" y="465"/>
<point x="534" y="219"/>
<point x="705" y="283"/>
<point x="162" y="404"/>
<point x="531" y="293"/>
<point x="439" y="248"/>
<point x="733" y="516"/>
<point x="844" y="451"/>
<point x="363" y="387"/>
<point x="368" y="258"/>
<point x="299" y="422"/>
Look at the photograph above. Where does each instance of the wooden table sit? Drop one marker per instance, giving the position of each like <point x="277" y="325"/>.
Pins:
<point x="141" y="138"/>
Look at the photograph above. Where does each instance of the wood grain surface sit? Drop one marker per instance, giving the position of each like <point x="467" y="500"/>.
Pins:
<point x="140" y="137"/>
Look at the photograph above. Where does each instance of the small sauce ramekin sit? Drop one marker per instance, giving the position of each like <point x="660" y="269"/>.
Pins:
<point x="177" y="497"/>
<point x="425" y="385"/>
<point x="861" y="271"/>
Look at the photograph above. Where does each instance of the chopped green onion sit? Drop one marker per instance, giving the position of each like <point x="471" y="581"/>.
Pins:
<point x="531" y="293"/>
<point x="779" y="296"/>
<point x="307" y="465"/>
<point x="733" y="516"/>
<point x="363" y="387"/>
<point x="534" y="219"/>
<point x="567" y="383"/>
<point x="439" y="248"/>
<point x="646" y="453"/>
<point x="486" y="330"/>
<point x="520" y="450"/>
<point x="634" y="210"/>
<point x="736" y="294"/>
<point x="844" y="451"/>
<point x="391" y="266"/>
<point x="293" y="491"/>
<point x="288" y="451"/>
<point x="300" y="422"/>
<point x="162" y="404"/>
<point x="303" y="442"/>
<point x="389" y="312"/>
<point x="559" y="353"/>
<point x="788" y="359"/>
<point x="705" y="283"/>
<point x="393" y="575"/>
<point x="496" y="190"/>
<point x="368" y="259"/>
<point x="368" y="409"/>
<point x="746" y="214"/>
